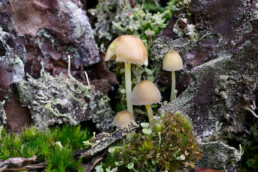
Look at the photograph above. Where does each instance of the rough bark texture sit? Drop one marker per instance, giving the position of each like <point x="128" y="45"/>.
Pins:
<point x="104" y="141"/>
<point x="218" y="156"/>
<point x="12" y="71"/>
<point x="224" y="80"/>
<point x="219" y="80"/>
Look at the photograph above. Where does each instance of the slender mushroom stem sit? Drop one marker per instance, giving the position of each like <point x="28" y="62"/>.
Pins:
<point x="87" y="78"/>
<point x="173" y="86"/>
<point x="69" y="66"/>
<point x="128" y="87"/>
<point x="150" y="112"/>
<point x="250" y="110"/>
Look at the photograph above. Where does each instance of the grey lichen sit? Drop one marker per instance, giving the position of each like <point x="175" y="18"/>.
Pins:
<point x="165" y="44"/>
<point x="2" y="115"/>
<point x="105" y="13"/>
<point x="218" y="156"/>
<point x="13" y="60"/>
<point x="237" y="90"/>
<point x="212" y="94"/>
<point x="9" y="58"/>
<point x="64" y="99"/>
<point x="78" y="19"/>
<point x="187" y="31"/>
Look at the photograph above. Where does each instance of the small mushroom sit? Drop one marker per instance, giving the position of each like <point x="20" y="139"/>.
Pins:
<point x="173" y="62"/>
<point x="128" y="49"/>
<point x="146" y="93"/>
<point x="122" y="118"/>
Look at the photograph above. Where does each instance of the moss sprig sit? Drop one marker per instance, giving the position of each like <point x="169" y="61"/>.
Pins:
<point x="43" y="144"/>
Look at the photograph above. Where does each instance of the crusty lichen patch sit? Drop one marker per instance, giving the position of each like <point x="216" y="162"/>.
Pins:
<point x="108" y="139"/>
<point x="2" y="114"/>
<point x="62" y="99"/>
<point x="11" y="65"/>
<point x="218" y="156"/>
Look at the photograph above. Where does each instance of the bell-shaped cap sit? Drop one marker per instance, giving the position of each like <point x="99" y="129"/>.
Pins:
<point x="129" y="49"/>
<point x="145" y="93"/>
<point x="123" y="118"/>
<point x="172" y="61"/>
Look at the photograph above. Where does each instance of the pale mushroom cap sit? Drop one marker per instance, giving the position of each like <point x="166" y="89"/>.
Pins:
<point x="129" y="49"/>
<point x="123" y="118"/>
<point x="145" y="93"/>
<point x="172" y="61"/>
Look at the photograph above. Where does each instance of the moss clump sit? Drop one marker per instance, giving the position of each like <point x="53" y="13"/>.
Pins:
<point x="54" y="146"/>
<point x="169" y="144"/>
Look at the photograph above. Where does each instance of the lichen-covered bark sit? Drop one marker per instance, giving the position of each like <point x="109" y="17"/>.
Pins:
<point x="213" y="28"/>
<point x="16" y="162"/>
<point x="106" y="12"/>
<point x="218" y="156"/>
<point x="207" y="44"/>
<point x="219" y="80"/>
<point x="64" y="99"/>
<point x="47" y="31"/>
<point x="221" y="87"/>
<point x="103" y="143"/>
<point x="11" y="65"/>
<point x="12" y="71"/>
<point x="2" y="115"/>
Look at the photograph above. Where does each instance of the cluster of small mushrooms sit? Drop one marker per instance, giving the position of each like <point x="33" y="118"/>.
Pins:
<point x="131" y="50"/>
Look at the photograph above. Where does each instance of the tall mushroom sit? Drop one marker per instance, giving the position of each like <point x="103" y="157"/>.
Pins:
<point x="128" y="49"/>
<point x="173" y="62"/>
<point x="146" y="93"/>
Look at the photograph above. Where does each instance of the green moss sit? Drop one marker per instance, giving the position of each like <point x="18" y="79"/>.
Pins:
<point x="170" y="146"/>
<point x="44" y="145"/>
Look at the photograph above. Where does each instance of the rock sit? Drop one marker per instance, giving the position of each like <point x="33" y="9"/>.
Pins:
<point x="103" y="72"/>
<point x="2" y="115"/>
<point x="11" y="65"/>
<point x="5" y="16"/>
<point x="11" y="71"/>
<point x="211" y="95"/>
<point x="51" y="30"/>
<point x="203" y="36"/>
<point x="62" y="99"/>
<point x="218" y="156"/>
<point x="101" y="85"/>
<point x="17" y="115"/>
<point x="219" y="78"/>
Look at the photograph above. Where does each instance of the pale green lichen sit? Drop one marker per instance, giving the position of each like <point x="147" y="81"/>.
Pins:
<point x="118" y="17"/>
<point x="62" y="99"/>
